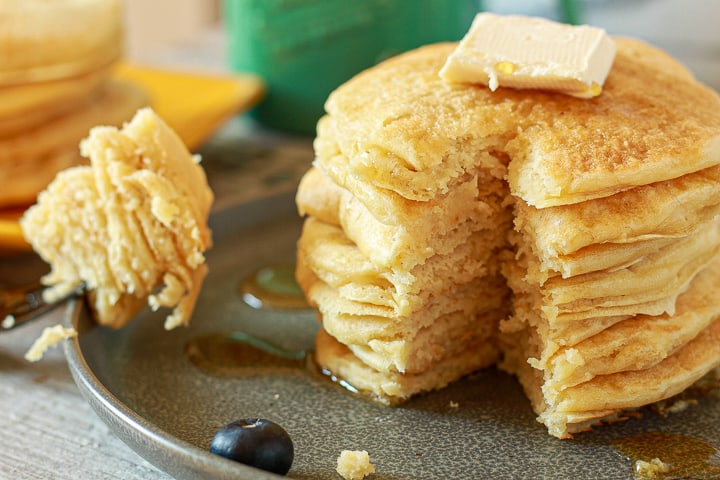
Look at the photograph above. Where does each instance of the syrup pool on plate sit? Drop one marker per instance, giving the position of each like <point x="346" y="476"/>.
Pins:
<point x="231" y="353"/>
<point x="681" y="456"/>
<point x="274" y="287"/>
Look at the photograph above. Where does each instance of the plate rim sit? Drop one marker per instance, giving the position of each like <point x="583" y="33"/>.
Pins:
<point x="177" y="457"/>
<point x="171" y="455"/>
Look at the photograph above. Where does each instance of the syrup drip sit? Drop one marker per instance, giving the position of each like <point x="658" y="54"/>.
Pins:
<point x="273" y="287"/>
<point x="237" y="354"/>
<point x="347" y="387"/>
<point x="683" y="456"/>
<point x="233" y="354"/>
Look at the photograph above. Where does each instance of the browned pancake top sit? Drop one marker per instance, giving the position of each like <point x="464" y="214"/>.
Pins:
<point x="400" y="127"/>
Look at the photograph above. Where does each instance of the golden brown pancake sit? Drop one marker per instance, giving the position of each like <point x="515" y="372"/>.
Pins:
<point x="668" y="209"/>
<point x="392" y="387"/>
<point x="611" y="257"/>
<point x="42" y="41"/>
<point x="339" y="263"/>
<point x="400" y="320"/>
<point x="658" y="365"/>
<point x="26" y="106"/>
<point x="657" y="123"/>
<point x="55" y="64"/>
<point x="421" y="229"/>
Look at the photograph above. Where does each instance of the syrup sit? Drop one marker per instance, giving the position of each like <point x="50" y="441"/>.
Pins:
<point x="233" y="354"/>
<point x="683" y="456"/>
<point x="237" y="354"/>
<point x="273" y="287"/>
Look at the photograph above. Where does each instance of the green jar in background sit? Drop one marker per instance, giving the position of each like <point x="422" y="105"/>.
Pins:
<point x="304" y="49"/>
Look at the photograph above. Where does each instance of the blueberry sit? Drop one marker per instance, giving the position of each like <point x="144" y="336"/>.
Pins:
<point x="256" y="442"/>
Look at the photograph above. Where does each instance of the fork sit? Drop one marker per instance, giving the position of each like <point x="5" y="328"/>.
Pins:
<point x="18" y="305"/>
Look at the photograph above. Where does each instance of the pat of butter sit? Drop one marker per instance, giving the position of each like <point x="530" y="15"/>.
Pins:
<point x="533" y="53"/>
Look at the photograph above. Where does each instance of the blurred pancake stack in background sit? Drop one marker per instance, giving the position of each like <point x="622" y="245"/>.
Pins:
<point x="55" y="64"/>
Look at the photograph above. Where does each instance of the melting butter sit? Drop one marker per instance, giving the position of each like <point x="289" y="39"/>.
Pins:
<point x="532" y="53"/>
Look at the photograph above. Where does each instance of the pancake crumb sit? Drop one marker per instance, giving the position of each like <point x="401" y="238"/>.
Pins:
<point x="49" y="338"/>
<point x="665" y="408"/>
<point x="655" y="468"/>
<point x="354" y="464"/>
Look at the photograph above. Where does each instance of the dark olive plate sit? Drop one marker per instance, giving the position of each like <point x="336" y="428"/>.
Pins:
<point x="143" y="383"/>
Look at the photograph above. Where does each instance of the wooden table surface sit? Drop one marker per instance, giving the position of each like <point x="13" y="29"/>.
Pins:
<point x="48" y="430"/>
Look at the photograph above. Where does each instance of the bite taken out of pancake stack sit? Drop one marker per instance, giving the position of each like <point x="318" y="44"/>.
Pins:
<point x="55" y="84"/>
<point x="575" y="242"/>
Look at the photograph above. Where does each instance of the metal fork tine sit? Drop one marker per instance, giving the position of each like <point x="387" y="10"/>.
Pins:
<point x="19" y="305"/>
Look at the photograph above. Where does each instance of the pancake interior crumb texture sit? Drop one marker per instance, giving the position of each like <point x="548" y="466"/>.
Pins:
<point x="131" y="226"/>
<point x="354" y="464"/>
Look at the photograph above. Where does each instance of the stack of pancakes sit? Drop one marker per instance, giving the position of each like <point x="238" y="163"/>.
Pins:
<point x="573" y="241"/>
<point x="417" y="303"/>
<point x="55" y="62"/>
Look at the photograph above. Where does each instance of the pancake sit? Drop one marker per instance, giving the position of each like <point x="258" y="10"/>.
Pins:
<point x="663" y="210"/>
<point x="43" y="41"/>
<point x="658" y="123"/>
<point x="386" y="203"/>
<point x="55" y="65"/>
<point x="434" y="227"/>
<point x="23" y="107"/>
<point x="449" y="335"/>
<point x="339" y="263"/>
<point x="393" y="388"/>
<point x="577" y="239"/>
<point x="606" y="389"/>
<point x="131" y="226"/>
<point x="400" y="321"/>
<point x="663" y="272"/>
<point x="360" y="327"/>
<point x="33" y="158"/>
